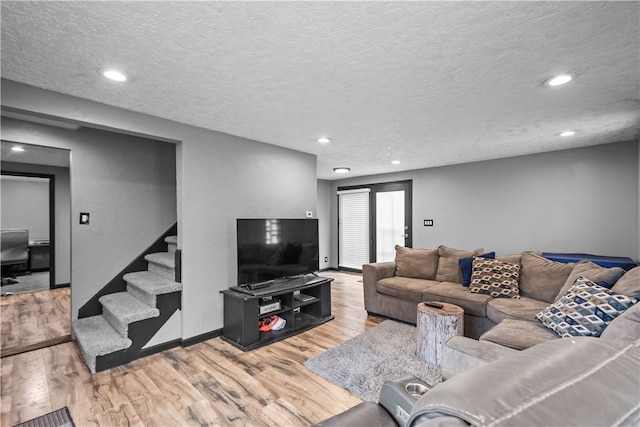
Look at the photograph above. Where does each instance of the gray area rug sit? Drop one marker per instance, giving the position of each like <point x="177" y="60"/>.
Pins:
<point x="362" y="364"/>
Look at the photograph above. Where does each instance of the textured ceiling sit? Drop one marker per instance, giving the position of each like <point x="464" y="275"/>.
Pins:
<point x="426" y="83"/>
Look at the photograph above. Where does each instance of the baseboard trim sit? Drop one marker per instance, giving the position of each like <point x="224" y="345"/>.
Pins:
<point x="179" y="343"/>
<point x="201" y="338"/>
<point x="62" y="285"/>
<point x="159" y="348"/>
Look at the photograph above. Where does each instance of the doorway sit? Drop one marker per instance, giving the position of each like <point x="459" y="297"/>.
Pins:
<point x="391" y="219"/>
<point x="28" y="205"/>
<point x="372" y="219"/>
<point x="36" y="312"/>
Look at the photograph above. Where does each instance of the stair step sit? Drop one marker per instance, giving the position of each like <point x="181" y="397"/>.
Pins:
<point x="145" y="285"/>
<point x="162" y="263"/>
<point x="122" y="308"/>
<point x="97" y="337"/>
<point x="172" y="243"/>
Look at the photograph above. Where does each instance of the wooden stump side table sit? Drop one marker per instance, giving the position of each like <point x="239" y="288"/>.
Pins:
<point x="434" y="327"/>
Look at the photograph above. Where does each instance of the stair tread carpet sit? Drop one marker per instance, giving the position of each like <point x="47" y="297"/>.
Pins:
<point x="127" y="308"/>
<point x="152" y="283"/>
<point x="164" y="259"/>
<point x="172" y="240"/>
<point x="97" y="337"/>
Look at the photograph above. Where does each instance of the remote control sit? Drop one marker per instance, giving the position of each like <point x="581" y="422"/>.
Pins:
<point x="433" y="304"/>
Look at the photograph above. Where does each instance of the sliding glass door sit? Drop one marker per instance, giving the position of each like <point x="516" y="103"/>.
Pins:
<point x="372" y="219"/>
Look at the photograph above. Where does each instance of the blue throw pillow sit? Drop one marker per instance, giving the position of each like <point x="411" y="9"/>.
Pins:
<point x="466" y="265"/>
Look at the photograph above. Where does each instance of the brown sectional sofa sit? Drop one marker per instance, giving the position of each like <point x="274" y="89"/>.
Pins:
<point x="489" y="381"/>
<point x="393" y="289"/>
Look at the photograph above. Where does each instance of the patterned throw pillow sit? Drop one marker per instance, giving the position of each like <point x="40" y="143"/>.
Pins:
<point x="495" y="278"/>
<point x="585" y="310"/>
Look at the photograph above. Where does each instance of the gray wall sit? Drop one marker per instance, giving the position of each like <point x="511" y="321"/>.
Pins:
<point x="62" y="214"/>
<point x="581" y="200"/>
<point x="219" y="178"/>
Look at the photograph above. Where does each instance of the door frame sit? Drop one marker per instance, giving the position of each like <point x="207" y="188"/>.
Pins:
<point x="407" y="186"/>
<point x="52" y="219"/>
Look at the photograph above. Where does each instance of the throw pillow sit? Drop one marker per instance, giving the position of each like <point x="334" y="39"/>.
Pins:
<point x="593" y="272"/>
<point x="466" y="265"/>
<point x="584" y="310"/>
<point x="541" y="278"/>
<point x="448" y="267"/>
<point x="495" y="278"/>
<point x="629" y="284"/>
<point x="416" y="263"/>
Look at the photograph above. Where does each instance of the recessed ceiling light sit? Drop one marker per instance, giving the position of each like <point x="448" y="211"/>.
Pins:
<point x="568" y="133"/>
<point x="115" y="75"/>
<point x="559" y="80"/>
<point x="341" y="170"/>
<point x="395" y="162"/>
<point x="324" y="140"/>
<point x="16" y="148"/>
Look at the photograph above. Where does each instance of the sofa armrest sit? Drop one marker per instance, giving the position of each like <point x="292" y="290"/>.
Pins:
<point x="398" y="400"/>
<point x="460" y="354"/>
<point x="544" y="385"/>
<point x="371" y="273"/>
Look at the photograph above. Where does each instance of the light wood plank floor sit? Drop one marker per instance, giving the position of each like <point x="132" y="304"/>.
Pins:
<point x="211" y="383"/>
<point x="34" y="320"/>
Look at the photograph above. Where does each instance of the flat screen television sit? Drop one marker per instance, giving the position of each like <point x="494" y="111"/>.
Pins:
<point x="273" y="248"/>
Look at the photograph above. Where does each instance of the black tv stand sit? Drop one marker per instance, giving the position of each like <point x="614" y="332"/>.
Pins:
<point x="242" y="310"/>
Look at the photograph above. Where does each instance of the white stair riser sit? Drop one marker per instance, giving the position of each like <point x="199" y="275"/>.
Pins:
<point x="161" y="270"/>
<point x="121" y="327"/>
<point x="89" y="359"/>
<point x="143" y="296"/>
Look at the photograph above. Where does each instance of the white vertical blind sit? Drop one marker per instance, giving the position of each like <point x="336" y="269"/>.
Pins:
<point x="353" y="216"/>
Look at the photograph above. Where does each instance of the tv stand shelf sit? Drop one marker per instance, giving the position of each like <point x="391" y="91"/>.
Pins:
<point x="242" y="313"/>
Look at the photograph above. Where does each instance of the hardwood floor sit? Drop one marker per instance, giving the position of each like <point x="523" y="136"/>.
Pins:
<point x="34" y="320"/>
<point x="211" y="383"/>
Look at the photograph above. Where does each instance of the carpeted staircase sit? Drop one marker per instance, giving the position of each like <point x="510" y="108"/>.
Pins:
<point x="130" y="319"/>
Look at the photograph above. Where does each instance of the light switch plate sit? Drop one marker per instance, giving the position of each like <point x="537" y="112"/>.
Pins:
<point x="428" y="223"/>
<point x="84" y="218"/>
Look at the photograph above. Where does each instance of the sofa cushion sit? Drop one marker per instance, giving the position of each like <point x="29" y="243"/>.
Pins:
<point x="448" y="263"/>
<point x="417" y="263"/>
<point x="455" y="293"/>
<point x="541" y="278"/>
<point x="511" y="259"/>
<point x="495" y="278"/>
<point x="405" y="287"/>
<point x="606" y="277"/>
<point x="466" y="266"/>
<point x="499" y="309"/>
<point x="585" y="310"/>
<point x="625" y="327"/>
<point x="518" y="334"/>
<point x="629" y="284"/>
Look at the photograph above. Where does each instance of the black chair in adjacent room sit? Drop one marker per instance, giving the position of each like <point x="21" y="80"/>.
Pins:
<point x="14" y="245"/>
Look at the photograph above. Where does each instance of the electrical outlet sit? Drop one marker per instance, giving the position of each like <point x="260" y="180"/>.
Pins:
<point x="326" y="259"/>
